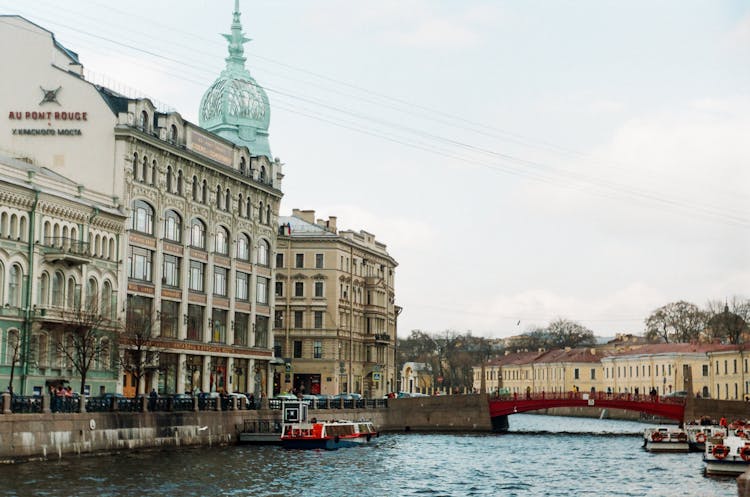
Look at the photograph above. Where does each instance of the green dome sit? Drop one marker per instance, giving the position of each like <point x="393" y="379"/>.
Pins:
<point x="235" y="106"/>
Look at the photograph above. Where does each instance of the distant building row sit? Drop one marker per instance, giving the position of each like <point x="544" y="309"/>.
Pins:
<point x="718" y="371"/>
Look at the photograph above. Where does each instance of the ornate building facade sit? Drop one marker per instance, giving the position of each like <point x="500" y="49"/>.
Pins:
<point x="194" y="260"/>
<point x="57" y="256"/>
<point x="335" y="320"/>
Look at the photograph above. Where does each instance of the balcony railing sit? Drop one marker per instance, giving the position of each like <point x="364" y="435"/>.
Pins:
<point x="65" y="249"/>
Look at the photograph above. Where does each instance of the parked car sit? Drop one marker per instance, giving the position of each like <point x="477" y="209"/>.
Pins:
<point x="242" y="401"/>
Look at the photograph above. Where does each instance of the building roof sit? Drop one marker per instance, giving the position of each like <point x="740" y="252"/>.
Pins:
<point x="301" y="228"/>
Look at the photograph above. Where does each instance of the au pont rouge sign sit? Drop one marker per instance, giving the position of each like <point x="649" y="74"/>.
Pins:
<point x="49" y="117"/>
<point x="39" y="116"/>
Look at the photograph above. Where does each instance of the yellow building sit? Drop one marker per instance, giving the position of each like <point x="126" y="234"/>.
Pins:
<point x="335" y="319"/>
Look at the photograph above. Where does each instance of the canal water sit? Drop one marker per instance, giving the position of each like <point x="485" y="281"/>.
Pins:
<point x="540" y="456"/>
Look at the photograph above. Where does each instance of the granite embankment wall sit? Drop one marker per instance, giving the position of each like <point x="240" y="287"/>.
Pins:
<point x="25" y="437"/>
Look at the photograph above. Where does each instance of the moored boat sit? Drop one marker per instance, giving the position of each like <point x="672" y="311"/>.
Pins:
<point x="728" y="455"/>
<point x="665" y="439"/>
<point x="698" y="434"/>
<point x="299" y="433"/>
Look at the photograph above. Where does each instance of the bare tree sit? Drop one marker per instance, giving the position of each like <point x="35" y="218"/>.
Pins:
<point x="566" y="333"/>
<point x="79" y="339"/>
<point x="14" y="345"/>
<point x="728" y="320"/>
<point x="139" y="353"/>
<point x="676" y="322"/>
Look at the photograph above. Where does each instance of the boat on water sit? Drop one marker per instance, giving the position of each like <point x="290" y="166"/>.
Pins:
<point x="729" y="455"/>
<point x="698" y="434"/>
<point x="300" y="433"/>
<point x="665" y="439"/>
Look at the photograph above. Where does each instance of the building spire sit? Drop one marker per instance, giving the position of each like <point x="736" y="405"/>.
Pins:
<point x="236" y="39"/>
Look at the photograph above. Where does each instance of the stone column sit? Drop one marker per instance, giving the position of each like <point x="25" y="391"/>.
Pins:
<point x="230" y="386"/>
<point x="181" y="373"/>
<point x="206" y="374"/>
<point x="45" y="404"/>
<point x="6" y="403"/>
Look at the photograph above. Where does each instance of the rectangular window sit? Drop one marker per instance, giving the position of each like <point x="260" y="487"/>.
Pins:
<point x="318" y="288"/>
<point x="261" y="331"/>
<point x="576" y="374"/>
<point x="242" y="286"/>
<point x="220" y="281"/>
<point x="725" y="367"/>
<point x="279" y="260"/>
<point x="261" y="289"/>
<point x="171" y="270"/>
<point x="241" y="328"/>
<point x="705" y="370"/>
<point x="139" y="263"/>
<point x="299" y="260"/>
<point x="196" y="276"/>
<point x="317" y="349"/>
<point x="279" y="288"/>
<point x="219" y="326"/>
<point x="593" y="374"/>
<point x="195" y="322"/>
<point x="298" y="319"/>
<point x="735" y="366"/>
<point x="318" y="319"/>
<point x="170" y="313"/>
<point x="319" y="261"/>
<point x="297" y="349"/>
<point x="299" y="289"/>
<point x="278" y="319"/>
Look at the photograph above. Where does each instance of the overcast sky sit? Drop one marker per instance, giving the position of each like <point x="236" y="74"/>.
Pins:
<point x="522" y="161"/>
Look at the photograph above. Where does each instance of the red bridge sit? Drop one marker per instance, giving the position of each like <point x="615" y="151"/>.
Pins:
<point x="666" y="407"/>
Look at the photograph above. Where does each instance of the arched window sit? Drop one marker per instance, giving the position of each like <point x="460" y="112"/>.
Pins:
<point x="260" y="212"/>
<point x="92" y="295"/>
<point x="23" y="230"/>
<point x="169" y="179"/>
<point x="47" y="233"/>
<point x="179" y="183"/>
<point x="172" y="226"/>
<point x="218" y="196"/>
<point x="227" y="200"/>
<point x="243" y="165"/>
<point x="243" y="247"/>
<point x="249" y="209"/>
<point x="204" y="192"/>
<point x="222" y="241"/>
<point x="107" y="299"/>
<point x="103" y="358"/>
<point x="263" y="174"/>
<point x="144" y="170"/>
<point x="13" y="226"/>
<point x="154" y="170"/>
<point x="4" y="231"/>
<point x="13" y="352"/>
<point x="143" y="124"/>
<point x="73" y="298"/>
<point x="135" y="167"/>
<point x="15" y="279"/>
<point x="263" y="253"/>
<point x="111" y="254"/>
<point x="44" y="290"/>
<point x="142" y="217"/>
<point x="198" y="234"/>
<point x="268" y="215"/>
<point x="196" y="191"/>
<point x="173" y="133"/>
<point x="240" y="205"/>
<point x="58" y="291"/>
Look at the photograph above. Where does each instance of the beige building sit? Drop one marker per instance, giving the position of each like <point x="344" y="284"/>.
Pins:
<point x="195" y="258"/>
<point x="335" y="317"/>
<point x="717" y="370"/>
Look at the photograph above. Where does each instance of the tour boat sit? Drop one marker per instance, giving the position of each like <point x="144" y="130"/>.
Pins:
<point x="728" y="455"/>
<point x="665" y="439"/>
<point x="299" y="433"/>
<point x="698" y="434"/>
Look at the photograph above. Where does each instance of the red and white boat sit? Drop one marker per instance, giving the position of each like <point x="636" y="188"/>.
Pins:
<point x="727" y="455"/>
<point x="299" y="433"/>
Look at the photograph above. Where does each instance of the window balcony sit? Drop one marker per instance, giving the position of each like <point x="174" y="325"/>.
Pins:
<point x="66" y="250"/>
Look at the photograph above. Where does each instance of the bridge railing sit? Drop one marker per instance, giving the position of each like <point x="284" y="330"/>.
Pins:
<point x="628" y="397"/>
